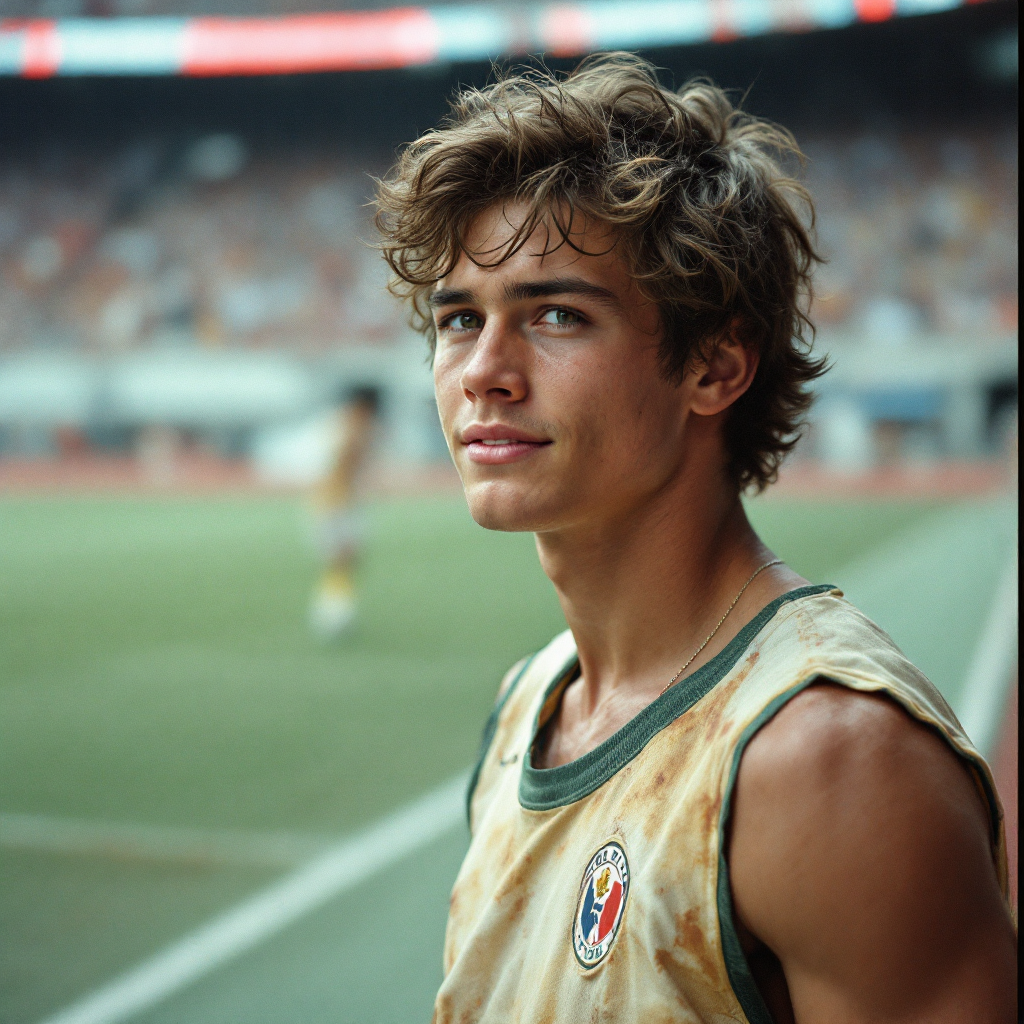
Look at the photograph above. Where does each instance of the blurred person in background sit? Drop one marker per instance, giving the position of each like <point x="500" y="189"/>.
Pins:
<point x="338" y="516"/>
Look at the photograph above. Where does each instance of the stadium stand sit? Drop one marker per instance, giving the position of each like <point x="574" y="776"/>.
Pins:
<point x="208" y="247"/>
<point x="190" y="252"/>
<point x="107" y="255"/>
<point x="919" y="232"/>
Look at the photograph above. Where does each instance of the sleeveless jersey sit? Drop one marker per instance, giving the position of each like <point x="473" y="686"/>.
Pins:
<point x="598" y="891"/>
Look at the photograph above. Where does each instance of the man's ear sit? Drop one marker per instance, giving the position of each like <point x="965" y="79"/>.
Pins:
<point x="726" y="374"/>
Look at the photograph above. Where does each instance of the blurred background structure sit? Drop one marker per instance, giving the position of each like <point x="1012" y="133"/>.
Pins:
<point x="188" y="279"/>
<point x="195" y="254"/>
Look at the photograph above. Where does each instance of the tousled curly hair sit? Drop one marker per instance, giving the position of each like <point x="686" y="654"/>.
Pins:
<point x="710" y="225"/>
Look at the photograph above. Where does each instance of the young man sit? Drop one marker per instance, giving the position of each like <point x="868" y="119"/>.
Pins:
<point x="723" y="794"/>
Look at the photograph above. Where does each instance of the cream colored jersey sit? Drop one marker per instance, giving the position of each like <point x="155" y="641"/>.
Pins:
<point x="599" y="890"/>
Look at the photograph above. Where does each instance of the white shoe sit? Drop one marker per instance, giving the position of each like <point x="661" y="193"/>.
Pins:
<point x="331" y="614"/>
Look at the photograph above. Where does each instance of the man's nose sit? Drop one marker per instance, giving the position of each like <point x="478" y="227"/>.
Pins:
<point x="496" y="371"/>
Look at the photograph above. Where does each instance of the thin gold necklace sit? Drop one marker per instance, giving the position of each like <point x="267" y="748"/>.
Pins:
<point x="767" y="565"/>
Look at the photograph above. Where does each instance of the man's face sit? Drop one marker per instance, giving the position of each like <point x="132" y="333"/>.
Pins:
<point x="548" y="382"/>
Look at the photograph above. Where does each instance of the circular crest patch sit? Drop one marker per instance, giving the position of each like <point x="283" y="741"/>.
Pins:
<point x="599" y="907"/>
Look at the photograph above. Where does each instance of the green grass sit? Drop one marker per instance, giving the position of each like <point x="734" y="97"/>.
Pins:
<point x="155" y="667"/>
<point x="70" y="923"/>
<point x="159" y="651"/>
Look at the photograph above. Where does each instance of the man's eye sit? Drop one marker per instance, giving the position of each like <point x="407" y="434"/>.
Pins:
<point x="562" y="318"/>
<point x="463" y="322"/>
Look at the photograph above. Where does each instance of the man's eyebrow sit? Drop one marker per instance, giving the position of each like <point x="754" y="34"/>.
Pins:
<point x="520" y="290"/>
<point x="449" y="297"/>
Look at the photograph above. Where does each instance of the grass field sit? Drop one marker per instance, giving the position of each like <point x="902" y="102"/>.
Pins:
<point x="155" y="669"/>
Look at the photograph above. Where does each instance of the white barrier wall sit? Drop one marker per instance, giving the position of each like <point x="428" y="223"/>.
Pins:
<point x="941" y="381"/>
<point x="948" y="381"/>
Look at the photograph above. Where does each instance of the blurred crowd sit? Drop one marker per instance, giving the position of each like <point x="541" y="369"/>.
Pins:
<point x="203" y="246"/>
<point x="211" y="245"/>
<point x="920" y="234"/>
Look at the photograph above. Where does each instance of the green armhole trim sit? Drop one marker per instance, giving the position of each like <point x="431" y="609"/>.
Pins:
<point x="743" y="984"/>
<point x="542" y="789"/>
<point x="490" y="728"/>
<point x="742" y="981"/>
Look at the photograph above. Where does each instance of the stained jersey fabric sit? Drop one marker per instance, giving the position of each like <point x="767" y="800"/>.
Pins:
<point x="640" y="821"/>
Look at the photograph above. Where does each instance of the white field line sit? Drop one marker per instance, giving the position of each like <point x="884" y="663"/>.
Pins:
<point x="340" y="868"/>
<point x="983" y="700"/>
<point x="158" y="842"/>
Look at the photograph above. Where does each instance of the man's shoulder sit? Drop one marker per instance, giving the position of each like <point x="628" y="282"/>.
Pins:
<point x="522" y="685"/>
<point x="824" y="636"/>
<point x="852" y="733"/>
<point x="834" y="764"/>
<point x="541" y="665"/>
<point x="860" y="834"/>
<point x="514" y="707"/>
<point x="830" y="732"/>
<point x="823" y="618"/>
<point x="817" y="623"/>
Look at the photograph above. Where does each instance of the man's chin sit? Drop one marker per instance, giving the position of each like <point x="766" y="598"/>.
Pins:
<point x="497" y="505"/>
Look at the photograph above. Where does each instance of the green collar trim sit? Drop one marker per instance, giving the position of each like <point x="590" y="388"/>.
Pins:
<point x="542" y="789"/>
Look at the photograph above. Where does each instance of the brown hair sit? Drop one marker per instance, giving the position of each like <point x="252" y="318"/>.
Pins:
<point x="705" y="217"/>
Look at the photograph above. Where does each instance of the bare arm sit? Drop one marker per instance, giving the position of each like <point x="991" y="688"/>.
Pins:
<point x="860" y="856"/>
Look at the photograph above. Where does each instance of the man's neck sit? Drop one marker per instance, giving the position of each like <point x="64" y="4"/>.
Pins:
<point x="642" y="589"/>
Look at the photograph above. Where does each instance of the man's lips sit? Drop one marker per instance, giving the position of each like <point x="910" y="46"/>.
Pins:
<point x="495" y="444"/>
